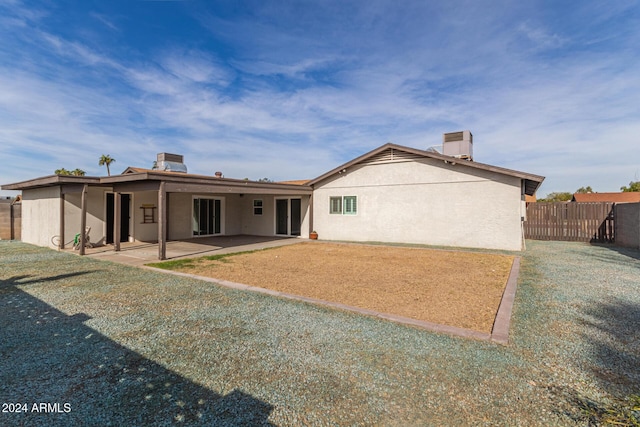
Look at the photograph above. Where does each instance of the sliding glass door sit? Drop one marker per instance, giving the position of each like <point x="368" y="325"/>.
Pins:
<point x="207" y="217"/>
<point x="288" y="217"/>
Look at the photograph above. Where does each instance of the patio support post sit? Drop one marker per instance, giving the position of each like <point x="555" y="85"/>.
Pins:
<point x="162" y="222"/>
<point x="83" y="218"/>
<point x="311" y="213"/>
<point x="117" y="218"/>
<point x="61" y="230"/>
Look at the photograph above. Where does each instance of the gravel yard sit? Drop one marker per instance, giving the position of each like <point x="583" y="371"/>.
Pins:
<point x="126" y="346"/>
<point x="455" y="288"/>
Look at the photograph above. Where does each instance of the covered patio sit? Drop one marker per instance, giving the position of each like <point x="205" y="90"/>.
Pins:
<point x="168" y="214"/>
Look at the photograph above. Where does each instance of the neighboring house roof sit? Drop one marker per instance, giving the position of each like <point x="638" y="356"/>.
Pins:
<point x="627" y="197"/>
<point x="392" y="151"/>
<point x="295" y="182"/>
<point x="131" y="169"/>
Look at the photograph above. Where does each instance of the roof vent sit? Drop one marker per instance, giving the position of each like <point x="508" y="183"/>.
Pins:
<point x="458" y="144"/>
<point x="171" y="163"/>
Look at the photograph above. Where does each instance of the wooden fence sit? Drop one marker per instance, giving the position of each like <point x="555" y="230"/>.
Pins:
<point x="571" y="221"/>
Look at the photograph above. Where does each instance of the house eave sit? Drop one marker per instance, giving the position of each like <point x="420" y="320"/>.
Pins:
<point x="531" y="181"/>
<point x="177" y="182"/>
<point x="50" y="181"/>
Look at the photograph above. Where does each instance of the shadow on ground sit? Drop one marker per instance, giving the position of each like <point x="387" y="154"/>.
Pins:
<point x="613" y="333"/>
<point x="47" y="356"/>
<point x="628" y="252"/>
<point x="616" y="346"/>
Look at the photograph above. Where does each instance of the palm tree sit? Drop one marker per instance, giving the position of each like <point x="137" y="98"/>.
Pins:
<point x="78" y="172"/>
<point x="106" y="160"/>
<point x="62" y="171"/>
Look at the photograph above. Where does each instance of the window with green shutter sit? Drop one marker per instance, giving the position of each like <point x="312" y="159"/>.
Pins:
<point x="344" y="205"/>
<point x="350" y="204"/>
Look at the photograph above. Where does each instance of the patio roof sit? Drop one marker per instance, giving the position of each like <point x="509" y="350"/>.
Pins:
<point x="146" y="180"/>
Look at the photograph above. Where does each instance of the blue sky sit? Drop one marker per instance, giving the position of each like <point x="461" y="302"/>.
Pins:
<point x="292" y="89"/>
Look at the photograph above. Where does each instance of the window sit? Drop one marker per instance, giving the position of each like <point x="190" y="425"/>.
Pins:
<point x="257" y="207"/>
<point x="350" y="205"/>
<point x="335" y="205"/>
<point x="346" y="205"/>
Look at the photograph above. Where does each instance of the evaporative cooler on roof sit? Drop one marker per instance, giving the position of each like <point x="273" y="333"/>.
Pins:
<point x="458" y="144"/>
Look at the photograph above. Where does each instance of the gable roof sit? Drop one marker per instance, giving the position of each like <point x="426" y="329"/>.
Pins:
<point x="627" y="197"/>
<point x="390" y="151"/>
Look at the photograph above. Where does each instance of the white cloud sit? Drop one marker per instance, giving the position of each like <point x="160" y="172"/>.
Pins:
<point x="330" y="83"/>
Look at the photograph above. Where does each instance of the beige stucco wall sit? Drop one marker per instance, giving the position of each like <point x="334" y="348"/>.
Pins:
<point x="180" y="208"/>
<point x="425" y="202"/>
<point x="95" y="215"/>
<point x="258" y="225"/>
<point x="40" y="215"/>
<point x="140" y="231"/>
<point x="265" y="224"/>
<point x="179" y="213"/>
<point x="237" y="216"/>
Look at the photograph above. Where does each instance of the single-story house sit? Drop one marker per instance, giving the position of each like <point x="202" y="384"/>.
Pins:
<point x="390" y="194"/>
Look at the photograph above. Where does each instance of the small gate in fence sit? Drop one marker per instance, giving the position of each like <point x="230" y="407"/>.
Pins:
<point x="571" y="221"/>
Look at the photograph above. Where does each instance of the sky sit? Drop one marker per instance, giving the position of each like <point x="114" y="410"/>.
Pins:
<point x="291" y="89"/>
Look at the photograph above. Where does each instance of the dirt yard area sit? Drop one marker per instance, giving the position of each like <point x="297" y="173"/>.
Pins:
<point x="461" y="289"/>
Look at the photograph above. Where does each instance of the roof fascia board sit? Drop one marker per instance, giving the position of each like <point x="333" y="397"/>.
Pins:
<point x="175" y="187"/>
<point x="179" y="181"/>
<point x="428" y="154"/>
<point x="350" y="163"/>
<point x="50" y="180"/>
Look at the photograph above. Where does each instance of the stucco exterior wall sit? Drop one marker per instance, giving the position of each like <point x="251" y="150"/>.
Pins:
<point x="95" y="215"/>
<point x="139" y="230"/>
<point x="424" y="202"/>
<point x="40" y="215"/>
<point x="179" y="214"/>
<point x="628" y="225"/>
<point x="231" y="215"/>
<point x="258" y="225"/>
<point x="265" y="224"/>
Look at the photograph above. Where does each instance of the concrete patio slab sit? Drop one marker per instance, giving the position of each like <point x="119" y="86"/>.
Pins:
<point x="141" y="253"/>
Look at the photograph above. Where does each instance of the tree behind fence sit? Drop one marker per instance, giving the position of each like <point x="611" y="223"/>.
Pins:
<point x="571" y="221"/>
